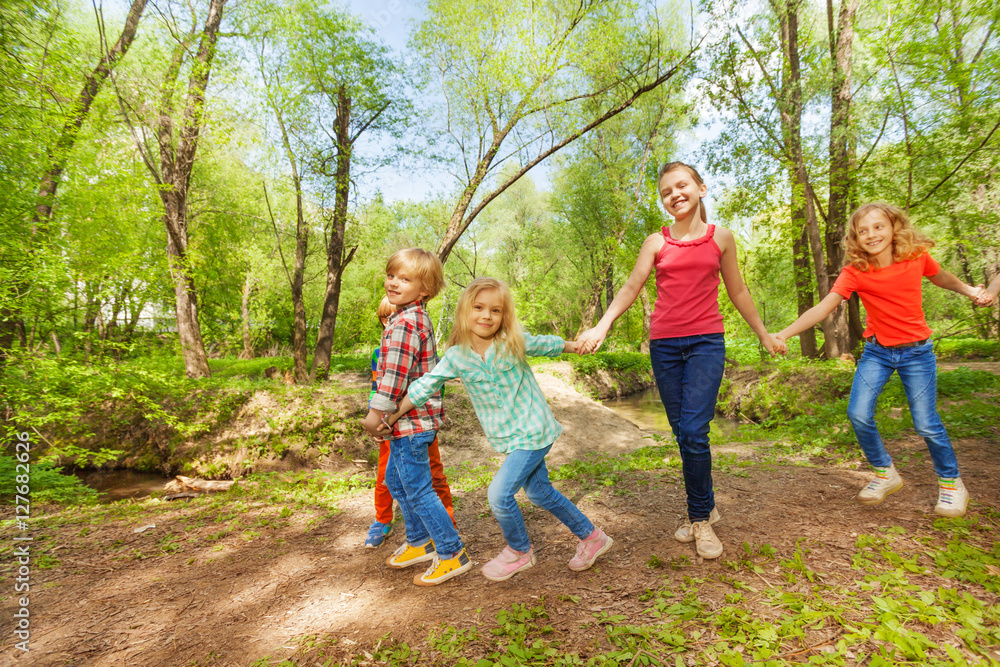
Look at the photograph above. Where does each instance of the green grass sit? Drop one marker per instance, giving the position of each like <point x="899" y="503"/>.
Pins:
<point x="891" y="606"/>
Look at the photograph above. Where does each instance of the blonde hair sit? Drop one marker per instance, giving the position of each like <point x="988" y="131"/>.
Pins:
<point x="424" y="265"/>
<point x="674" y="166"/>
<point x="385" y="309"/>
<point x="509" y="335"/>
<point x="907" y="242"/>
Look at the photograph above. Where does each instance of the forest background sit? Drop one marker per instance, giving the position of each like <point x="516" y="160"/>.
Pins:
<point x="197" y="200"/>
<point x="186" y="181"/>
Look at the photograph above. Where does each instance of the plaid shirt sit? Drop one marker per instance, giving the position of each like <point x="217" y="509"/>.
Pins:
<point x="408" y="351"/>
<point x="503" y="390"/>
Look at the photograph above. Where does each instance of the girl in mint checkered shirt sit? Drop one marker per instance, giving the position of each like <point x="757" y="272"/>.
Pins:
<point x="488" y="351"/>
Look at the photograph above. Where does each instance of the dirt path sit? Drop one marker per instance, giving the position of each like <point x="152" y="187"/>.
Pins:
<point x="229" y="585"/>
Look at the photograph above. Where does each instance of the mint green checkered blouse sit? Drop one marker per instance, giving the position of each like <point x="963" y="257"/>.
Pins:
<point x="503" y="390"/>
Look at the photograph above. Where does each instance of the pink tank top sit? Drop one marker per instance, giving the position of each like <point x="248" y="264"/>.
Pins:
<point x="687" y="287"/>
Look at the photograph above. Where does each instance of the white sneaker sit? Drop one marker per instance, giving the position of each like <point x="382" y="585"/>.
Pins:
<point x="684" y="534"/>
<point x="886" y="481"/>
<point x="707" y="544"/>
<point x="952" y="497"/>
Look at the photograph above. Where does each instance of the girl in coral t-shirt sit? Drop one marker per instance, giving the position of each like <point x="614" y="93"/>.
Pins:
<point x="888" y="259"/>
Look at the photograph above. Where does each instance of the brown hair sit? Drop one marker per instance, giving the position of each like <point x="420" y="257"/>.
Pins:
<point x="508" y="335"/>
<point x="424" y="264"/>
<point x="907" y="242"/>
<point x="674" y="166"/>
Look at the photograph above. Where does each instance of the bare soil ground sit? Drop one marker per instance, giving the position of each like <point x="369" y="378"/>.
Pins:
<point x="181" y="594"/>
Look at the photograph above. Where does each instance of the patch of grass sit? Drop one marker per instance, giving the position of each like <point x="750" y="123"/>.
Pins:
<point x="957" y="349"/>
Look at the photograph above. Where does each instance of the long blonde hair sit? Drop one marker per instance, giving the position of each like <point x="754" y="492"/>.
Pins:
<point x="907" y="242"/>
<point x="509" y="335"/>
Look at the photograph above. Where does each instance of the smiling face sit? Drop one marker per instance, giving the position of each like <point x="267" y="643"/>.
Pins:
<point x="485" y="315"/>
<point x="875" y="232"/>
<point x="403" y="288"/>
<point x="681" y="193"/>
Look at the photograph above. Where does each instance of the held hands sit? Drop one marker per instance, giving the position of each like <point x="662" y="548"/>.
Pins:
<point x="590" y="341"/>
<point x="774" y="344"/>
<point x="981" y="296"/>
<point x="375" y="426"/>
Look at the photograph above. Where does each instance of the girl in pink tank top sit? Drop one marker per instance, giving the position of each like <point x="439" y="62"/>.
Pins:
<point x="687" y="348"/>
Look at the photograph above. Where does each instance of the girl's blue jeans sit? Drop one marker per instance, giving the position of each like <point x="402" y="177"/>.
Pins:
<point x="526" y="469"/>
<point x="688" y="372"/>
<point x="917" y="368"/>
<point x="408" y="476"/>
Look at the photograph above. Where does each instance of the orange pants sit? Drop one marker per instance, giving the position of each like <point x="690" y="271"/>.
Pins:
<point x="383" y="499"/>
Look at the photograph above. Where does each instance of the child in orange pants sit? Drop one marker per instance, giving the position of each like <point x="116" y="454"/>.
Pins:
<point x="382" y="526"/>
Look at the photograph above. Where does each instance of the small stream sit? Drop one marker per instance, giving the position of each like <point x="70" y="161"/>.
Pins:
<point x="122" y="484"/>
<point x="645" y="410"/>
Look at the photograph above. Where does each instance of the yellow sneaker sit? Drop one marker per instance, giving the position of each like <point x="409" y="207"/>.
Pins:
<point x="443" y="570"/>
<point x="408" y="555"/>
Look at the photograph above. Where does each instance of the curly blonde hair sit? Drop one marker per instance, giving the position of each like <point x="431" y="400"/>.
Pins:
<point x="509" y="335"/>
<point x="907" y="242"/>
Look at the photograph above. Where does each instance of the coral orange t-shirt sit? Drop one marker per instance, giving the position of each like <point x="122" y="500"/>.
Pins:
<point x="892" y="298"/>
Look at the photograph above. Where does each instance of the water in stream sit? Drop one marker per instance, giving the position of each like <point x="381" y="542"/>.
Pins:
<point x="122" y="484"/>
<point x="645" y="410"/>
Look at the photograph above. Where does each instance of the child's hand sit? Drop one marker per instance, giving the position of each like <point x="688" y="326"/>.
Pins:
<point x="372" y="423"/>
<point x="590" y="341"/>
<point x="572" y="347"/>
<point x="981" y="296"/>
<point x="773" y="344"/>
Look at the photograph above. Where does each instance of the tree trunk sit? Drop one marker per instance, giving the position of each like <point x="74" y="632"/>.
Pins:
<point x="647" y="320"/>
<point x="803" y="287"/>
<point x="802" y="194"/>
<point x="248" y="285"/>
<point x="176" y="165"/>
<point x="335" y="260"/>
<point x="67" y="139"/>
<point x="841" y="50"/>
<point x="59" y="154"/>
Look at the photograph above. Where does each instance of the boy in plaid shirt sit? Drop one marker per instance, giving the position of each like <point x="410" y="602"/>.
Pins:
<point x="412" y="277"/>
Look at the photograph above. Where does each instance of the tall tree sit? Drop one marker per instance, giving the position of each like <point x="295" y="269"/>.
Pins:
<point x="749" y="84"/>
<point x="177" y="145"/>
<point x="531" y="78"/>
<point x="356" y="89"/>
<point x="59" y="152"/>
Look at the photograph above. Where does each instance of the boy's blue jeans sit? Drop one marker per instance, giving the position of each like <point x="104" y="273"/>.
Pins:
<point x="408" y="476"/>
<point x="917" y="368"/>
<point x="526" y="468"/>
<point x="688" y="372"/>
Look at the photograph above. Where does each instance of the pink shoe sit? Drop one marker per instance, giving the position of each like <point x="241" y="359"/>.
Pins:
<point x="508" y="563"/>
<point x="589" y="549"/>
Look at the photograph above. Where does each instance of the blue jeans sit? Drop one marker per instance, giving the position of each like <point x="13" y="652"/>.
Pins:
<point x="917" y="368"/>
<point x="688" y="372"/>
<point x="526" y="468"/>
<point x="408" y="476"/>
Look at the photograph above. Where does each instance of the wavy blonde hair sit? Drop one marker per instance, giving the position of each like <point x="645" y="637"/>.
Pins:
<point x="907" y="242"/>
<point x="509" y="335"/>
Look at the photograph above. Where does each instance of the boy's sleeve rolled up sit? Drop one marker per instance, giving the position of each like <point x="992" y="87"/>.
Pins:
<point x="400" y="355"/>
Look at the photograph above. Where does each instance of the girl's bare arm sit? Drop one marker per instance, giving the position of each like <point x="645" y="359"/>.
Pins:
<point x="591" y="340"/>
<point x="811" y="317"/>
<point x="950" y="281"/>
<point x="739" y="294"/>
